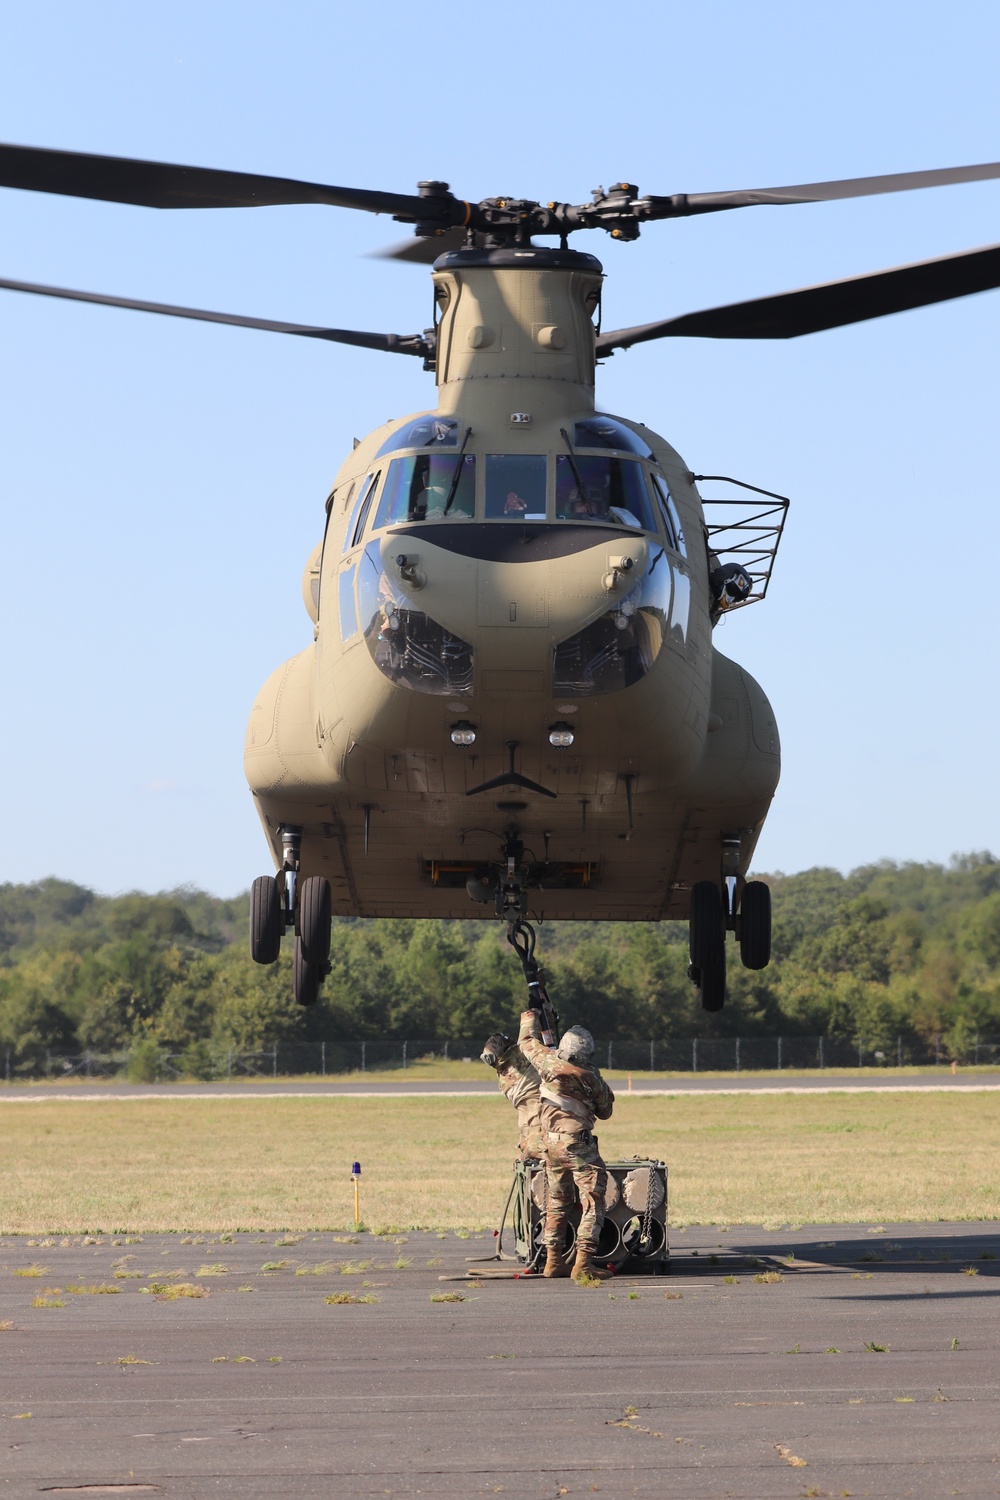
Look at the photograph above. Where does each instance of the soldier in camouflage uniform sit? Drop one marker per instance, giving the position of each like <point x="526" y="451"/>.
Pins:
<point x="519" y="1082"/>
<point x="573" y="1094"/>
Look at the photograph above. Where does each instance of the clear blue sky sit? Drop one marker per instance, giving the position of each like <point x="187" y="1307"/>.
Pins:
<point x="162" y="483"/>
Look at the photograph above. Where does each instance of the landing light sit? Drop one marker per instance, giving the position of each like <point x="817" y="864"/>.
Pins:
<point x="463" y="733"/>
<point x="561" y="736"/>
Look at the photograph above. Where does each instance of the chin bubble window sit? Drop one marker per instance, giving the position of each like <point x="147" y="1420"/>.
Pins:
<point x="428" y="487"/>
<point x="602" y="489"/>
<point x="515" y="487"/>
<point x="620" y="647"/>
<point x="406" y="645"/>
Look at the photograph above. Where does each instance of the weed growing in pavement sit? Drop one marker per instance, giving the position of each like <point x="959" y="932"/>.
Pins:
<point x="48" y="1300"/>
<point x="173" y="1291"/>
<point x="872" y="1255"/>
<point x="448" y="1297"/>
<point x="356" y="1267"/>
<point x="972" y="1270"/>
<point x="94" y="1291"/>
<point x="833" y="1350"/>
<point x="218" y="1269"/>
<point x="341" y="1299"/>
<point x="795" y="1349"/>
<point x="874" y="1348"/>
<point x="288" y="1239"/>
<point x="954" y="1345"/>
<point x="730" y="1281"/>
<point x="768" y="1278"/>
<point x="673" y="1296"/>
<point x="402" y="1261"/>
<point x="32" y="1271"/>
<point x="986" y="1255"/>
<point x="7" y="1325"/>
<point x="133" y="1359"/>
<point x="275" y="1265"/>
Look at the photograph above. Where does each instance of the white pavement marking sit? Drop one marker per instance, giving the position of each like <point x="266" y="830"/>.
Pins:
<point x="845" y="1088"/>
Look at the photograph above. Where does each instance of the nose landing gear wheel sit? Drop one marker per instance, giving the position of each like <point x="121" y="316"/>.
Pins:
<point x="312" y="945"/>
<point x="266" y="922"/>
<point x="708" y="944"/>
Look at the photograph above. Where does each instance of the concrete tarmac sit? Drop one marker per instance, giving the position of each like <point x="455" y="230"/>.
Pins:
<point x="842" y="1361"/>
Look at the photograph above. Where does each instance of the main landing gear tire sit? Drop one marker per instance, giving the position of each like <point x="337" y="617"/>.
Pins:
<point x="266" y="920"/>
<point x="708" y="944"/>
<point x="755" y="925"/>
<point x="312" y="945"/>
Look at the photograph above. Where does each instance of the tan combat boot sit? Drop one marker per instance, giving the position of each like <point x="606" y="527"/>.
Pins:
<point x="586" y="1271"/>
<point x="555" y="1262"/>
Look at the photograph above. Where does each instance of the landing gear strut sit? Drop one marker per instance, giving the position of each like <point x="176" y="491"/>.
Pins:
<point x="714" y="912"/>
<point x="282" y="901"/>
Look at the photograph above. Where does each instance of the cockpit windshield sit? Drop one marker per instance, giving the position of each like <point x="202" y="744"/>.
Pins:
<point x="428" y="486"/>
<point x="515" y="486"/>
<point x="602" y="489"/>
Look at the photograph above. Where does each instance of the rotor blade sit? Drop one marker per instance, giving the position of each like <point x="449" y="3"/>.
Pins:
<point x="153" y="184"/>
<point x="819" y="192"/>
<point x="830" y="305"/>
<point x="393" y="343"/>
<point x="423" y="251"/>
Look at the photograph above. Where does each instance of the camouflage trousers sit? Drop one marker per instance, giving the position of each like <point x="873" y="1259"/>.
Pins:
<point x="573" y="1166"/>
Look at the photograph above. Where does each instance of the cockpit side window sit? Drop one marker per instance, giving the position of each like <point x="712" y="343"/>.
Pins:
<point x="360" y="513"/>
<point x="363" y="509"/>
<point x="592" y="488"/>
<point x="671" y="519"/>
<point x="427" y="487"/>
<point x="515" y="486"/>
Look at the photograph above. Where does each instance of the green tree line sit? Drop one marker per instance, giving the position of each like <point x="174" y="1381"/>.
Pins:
<point x="887" y="951"/>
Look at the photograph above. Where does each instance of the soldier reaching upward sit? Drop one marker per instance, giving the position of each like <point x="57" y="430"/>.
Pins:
<point x="573" y="1094"/>
<point x="519" y="1082"/>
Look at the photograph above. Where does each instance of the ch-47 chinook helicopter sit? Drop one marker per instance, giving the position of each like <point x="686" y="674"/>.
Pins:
<point x="512" y="692"/>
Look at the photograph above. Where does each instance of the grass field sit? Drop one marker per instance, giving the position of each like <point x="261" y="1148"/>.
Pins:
<point x="214" y="1165"/>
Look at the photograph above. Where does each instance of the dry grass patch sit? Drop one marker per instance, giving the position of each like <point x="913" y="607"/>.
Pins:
<point x="346" y="1299"/>
<point x="101" y="1290"/>
<point x="250" y="1161"/>
<point x="173" y="1291"/>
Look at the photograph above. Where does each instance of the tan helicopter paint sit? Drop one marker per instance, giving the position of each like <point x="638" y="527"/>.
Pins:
<point x="333" y="742"/>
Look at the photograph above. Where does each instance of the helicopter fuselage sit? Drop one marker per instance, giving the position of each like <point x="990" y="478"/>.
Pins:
<point x="513" y="631"/>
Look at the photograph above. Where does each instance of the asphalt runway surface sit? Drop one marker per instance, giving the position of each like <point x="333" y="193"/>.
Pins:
<point x="293" y="1088"/>
<point x="846" y="1361"/>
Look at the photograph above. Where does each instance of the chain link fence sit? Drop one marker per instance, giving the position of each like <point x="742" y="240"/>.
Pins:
<point x="147" y="1062"/>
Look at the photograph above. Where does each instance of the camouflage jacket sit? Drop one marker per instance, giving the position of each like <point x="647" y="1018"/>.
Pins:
<point x="578" y="1093"/>
<point x="519" y="1081"/>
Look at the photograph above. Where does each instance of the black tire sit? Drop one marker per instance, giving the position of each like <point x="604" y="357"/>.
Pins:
<point x="315" y="920"/>
<point x="306" y="977"/>
<point x="706" y="928"/>
<point x="755" y="925"/>
<point x="713" y="981"/>
<point x="266" y="924"/>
